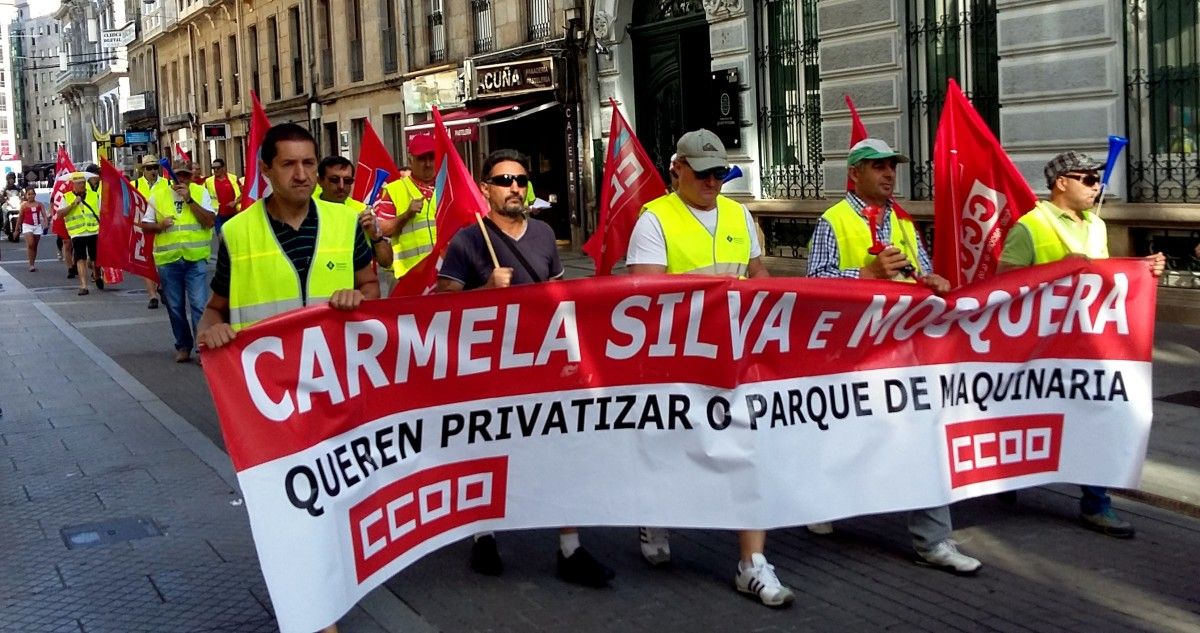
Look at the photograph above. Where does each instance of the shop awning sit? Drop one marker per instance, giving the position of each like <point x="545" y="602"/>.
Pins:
<point x="463" y="125"/>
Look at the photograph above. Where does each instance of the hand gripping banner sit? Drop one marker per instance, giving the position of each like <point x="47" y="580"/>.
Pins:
<point x="364" y="440"/>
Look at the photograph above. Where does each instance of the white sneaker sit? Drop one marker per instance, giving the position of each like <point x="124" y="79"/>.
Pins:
<point x="656" y="545"/>
<point x="823" y="529"/>
<point x="760" y="580"/>
<point x="945" y="556"/>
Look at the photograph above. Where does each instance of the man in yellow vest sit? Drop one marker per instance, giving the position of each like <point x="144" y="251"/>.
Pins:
<point x="696" y="230"/>
<point x="1060" y="227"/>
<point x="865" y="237"/>
<point x="224" y="190"/>
<point x="264" y="262"/>
<point x="147" y="184"/>
<point x="335" y="180"/>
<point x="81" y="211"/>
<point x="182" y="218"/>
<point x="407" y="211"/>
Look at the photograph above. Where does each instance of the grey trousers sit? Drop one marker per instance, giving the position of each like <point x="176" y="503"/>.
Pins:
<point x="929" y="527"/>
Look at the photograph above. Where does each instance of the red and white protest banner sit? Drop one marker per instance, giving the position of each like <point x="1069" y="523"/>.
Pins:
<point x="978" y="193"/>
<point x="364" y="440"/>
<point x="63" y="167"/>
<point x="123" y="243"/>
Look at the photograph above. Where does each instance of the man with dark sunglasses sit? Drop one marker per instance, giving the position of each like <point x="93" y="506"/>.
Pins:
<point x="864" y="236"/>
<point x="1065" y="226"/>
<point x="696" y="230"/>
<point x="335" y="181"/>
<point x="223" y="188"/>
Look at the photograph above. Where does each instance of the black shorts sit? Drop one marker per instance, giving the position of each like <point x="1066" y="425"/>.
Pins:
<point x="85" y="247"/>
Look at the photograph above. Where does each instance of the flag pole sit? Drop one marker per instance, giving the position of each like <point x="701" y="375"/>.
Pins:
<point x="487" y="239"/>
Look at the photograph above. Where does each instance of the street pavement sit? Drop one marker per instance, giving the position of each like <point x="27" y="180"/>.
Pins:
<point x="99" y="425"/>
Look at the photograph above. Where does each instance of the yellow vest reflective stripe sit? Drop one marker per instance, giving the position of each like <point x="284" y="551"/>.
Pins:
<point x="417" y="238"/>
<point x="263" y="282"/>
<point x="692" y="249"/>
<point x="186" y="239"/>
<point x="854" y="238"/>
<point x="83" y="220"/>
<point x="210" y="183"/>
<point x="1048" y="245"/>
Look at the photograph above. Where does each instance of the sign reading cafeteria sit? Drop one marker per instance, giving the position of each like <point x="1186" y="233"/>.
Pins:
<point x="514" y="78"/>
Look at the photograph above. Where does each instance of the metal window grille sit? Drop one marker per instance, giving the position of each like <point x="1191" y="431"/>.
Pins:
<point x="255" y="84"/>
<point x="437" y="32"/>
<point x="388" y="38"/>
<point x="948" y="38"/>
<point x="203" y="64"/>
<point x="218" y="75"/>
<point x="789" y="94"/>
<point x="481" y="15"/>
<point x="326" y="46"/>
<point x="273" y="49"/>
<point x="1163" y="91"/>
<point x="235" y="92"/>
<point x="356" y="40"/>
<point x="296" y="50"/>
<point x="539" y="19"/>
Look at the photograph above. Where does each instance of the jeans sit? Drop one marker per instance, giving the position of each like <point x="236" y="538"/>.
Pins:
<point x="929" y="527"/>
<point x="183" y="279"/>
<point x="1095" y="500"/>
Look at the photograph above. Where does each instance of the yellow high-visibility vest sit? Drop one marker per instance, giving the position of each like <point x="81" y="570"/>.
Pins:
<point x="692" y="249"/>
<point x="854" y="239"/>
<point x="186" y="239"/>
<point x="210" y="183"/>
<point x="1048" y="244"/>
<point x="84" y="219"/>
<point x="417" y="238"/>
<point x="263" y="282"/>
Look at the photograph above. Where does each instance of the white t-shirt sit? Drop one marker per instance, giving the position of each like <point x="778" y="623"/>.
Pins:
<point x="647" y="245"/>
<point x="151" y="214"/>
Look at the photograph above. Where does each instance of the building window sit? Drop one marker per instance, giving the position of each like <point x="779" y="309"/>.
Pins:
<point x="948" y="38"/>
<point x="1163" y="92"/>
<point x="202" y="70"/>
<point x="358" y="128"/>
<point x="789" y="97"/>
<point x="218" y="71"/>
<point x="354" y="18"/>
<point x="273" y="57"/>
<point x="297" y="51"/>
<point x="437" y="32"/>
<point x="393" y="136"/>
<point x="326" y="40"/>
<point x="539" y="19"/>
<point x="235" y="87"/>
<point x="481" y="16"/>
<point x="387" y="12"/>
<point x="252" y="55"/>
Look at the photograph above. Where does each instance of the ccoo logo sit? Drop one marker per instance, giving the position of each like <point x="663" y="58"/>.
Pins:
<point x="999" y="448"/>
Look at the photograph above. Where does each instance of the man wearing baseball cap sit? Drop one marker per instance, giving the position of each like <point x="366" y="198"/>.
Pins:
<point x="864" y="236"/>
<point x="407" y="211"/>
<point x="182" y="217"/>
<point x="697" y="231"/>
<point x="1060" y="227"/>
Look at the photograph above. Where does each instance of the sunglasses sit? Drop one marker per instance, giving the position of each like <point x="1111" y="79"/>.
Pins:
<point x="507" y="180"/>
<point x="155" y="168"/>
<point x="716" y="172"/>
<point x="1088" y="180"/>
<point x="344" y="180"/>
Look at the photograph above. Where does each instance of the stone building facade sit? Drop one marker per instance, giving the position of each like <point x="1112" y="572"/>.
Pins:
<point x="40" y="114"/>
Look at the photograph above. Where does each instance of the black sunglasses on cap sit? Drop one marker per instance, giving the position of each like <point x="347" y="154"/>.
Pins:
<point x="506" y="180"/>
<point x="1088" y="180"/>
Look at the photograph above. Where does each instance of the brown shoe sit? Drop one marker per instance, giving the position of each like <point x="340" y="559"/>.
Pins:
<point x="182" y="356"/>
<point x="82" y="291"/>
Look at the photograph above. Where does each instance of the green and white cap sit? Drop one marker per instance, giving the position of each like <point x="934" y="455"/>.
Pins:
<point x="872" y="149"/>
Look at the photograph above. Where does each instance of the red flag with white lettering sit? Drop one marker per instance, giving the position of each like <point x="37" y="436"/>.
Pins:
<point x="630" y="181"/>
<point x="978" y="193"/>
<point x="375" y="167"/>
<point x="858" y="132"/>
<point x="255" y="186"/>
<point x="62" y="167"/>
<point x="123" y="244"/>
<point x="458" y="201"/>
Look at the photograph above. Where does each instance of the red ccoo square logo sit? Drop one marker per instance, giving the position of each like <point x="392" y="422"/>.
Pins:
<point x="423" y="505"/>
<point x="999" y="448"/>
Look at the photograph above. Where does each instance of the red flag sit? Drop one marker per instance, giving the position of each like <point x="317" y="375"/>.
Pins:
<point x="375" y="168"/>
<point x="62" y="167"/>
<point x="630" y="181"/>
<point x="858" y="132"/>
<point x="978" y="193"/>
<point x="255" y="186"/>
<point x="181" y="153"/>
<point x="458" y="201"/>
<point x="123" y="244"/>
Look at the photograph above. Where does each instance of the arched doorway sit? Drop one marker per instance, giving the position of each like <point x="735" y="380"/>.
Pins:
<point x="671" y="73"/>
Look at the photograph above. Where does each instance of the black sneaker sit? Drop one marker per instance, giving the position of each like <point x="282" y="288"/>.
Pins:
<point x="72" y="273"/>
<point x="485" y="558"/>
<point x="582" y="569"/>
<point x="153" y="305"/>
<point x="99" y="283"/>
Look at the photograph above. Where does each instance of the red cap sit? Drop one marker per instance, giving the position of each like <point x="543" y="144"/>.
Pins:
<point x="420" y="145"/>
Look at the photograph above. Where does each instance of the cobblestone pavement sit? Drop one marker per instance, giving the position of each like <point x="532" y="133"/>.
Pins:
<point x="91" y="435"/>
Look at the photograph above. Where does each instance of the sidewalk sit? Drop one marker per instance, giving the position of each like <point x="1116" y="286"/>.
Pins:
<point x="81" y="442"/>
